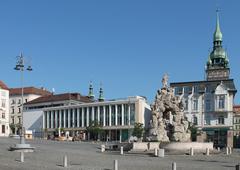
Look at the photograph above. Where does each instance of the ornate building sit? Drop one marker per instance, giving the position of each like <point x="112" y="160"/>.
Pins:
<point x="209" y="103"/>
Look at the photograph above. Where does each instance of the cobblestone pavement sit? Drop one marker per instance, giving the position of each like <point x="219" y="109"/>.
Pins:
<point x="87" y="156"/>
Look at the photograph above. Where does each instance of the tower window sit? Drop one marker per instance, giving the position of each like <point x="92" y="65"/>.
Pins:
<point x="221" y="120"/>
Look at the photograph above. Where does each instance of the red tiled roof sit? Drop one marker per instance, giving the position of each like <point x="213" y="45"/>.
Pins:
<point x="29" y="90"/>
<point x="236" y="108"/>
<point x="3" y="85"/>
<point x="60" y="97"/>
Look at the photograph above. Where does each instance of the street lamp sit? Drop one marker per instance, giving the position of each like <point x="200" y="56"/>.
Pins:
<point x="20" y="66"/>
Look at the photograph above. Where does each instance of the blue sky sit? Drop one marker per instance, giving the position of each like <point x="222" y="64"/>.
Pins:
<point x="126" y="45"/>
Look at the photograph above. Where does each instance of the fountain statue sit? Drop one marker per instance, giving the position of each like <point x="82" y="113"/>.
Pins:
<point x="168" y="122"/>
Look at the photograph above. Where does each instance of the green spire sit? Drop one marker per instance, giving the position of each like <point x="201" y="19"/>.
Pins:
<point x="101" y="98"/>
<point x="217" y="34"/>
<point x="90" y="93"/>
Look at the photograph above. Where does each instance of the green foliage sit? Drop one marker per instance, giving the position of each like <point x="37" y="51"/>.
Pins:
<point x="138" y="130"/>
<point x="94" y="129"/>
<point x="12" y="126"/>
<point x="193" y="130"/>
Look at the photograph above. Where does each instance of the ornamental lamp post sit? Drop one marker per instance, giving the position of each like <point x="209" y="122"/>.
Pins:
<point x="20" y="66"/>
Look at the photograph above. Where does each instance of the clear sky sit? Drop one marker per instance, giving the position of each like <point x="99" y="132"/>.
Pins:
<point x="127" y="45"/>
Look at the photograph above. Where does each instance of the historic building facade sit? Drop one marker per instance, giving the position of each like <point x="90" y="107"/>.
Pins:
<point x="15" y="104"/>
<point x="4" y="110"/>
<point x="209" y="103"/>
<point x="236" y="125"/>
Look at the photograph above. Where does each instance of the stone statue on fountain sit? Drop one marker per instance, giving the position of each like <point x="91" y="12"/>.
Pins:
<point x="168" y="122"/>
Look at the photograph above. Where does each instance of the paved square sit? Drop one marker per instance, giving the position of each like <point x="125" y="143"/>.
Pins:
<point x="87" y="156"/>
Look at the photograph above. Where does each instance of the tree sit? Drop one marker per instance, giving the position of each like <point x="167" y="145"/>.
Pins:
<point x="138" y="130"/>
<point x="94" y="129"/>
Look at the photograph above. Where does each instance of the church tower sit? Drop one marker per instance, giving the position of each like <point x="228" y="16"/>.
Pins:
<point x="217" y="67"/>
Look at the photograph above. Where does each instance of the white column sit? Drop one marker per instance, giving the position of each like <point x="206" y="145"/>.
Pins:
<point x="78" y="112"/>
<point x="60" y="118"/>
<point x="98" y="113"/>
<point x="87" y="116"/>
<point x="68" y="118"/>
<point x="52" y="119"/>
<point x="104" y="115"/>
<point x="83" y="117"/>
<point x="43" y="120"/>
<point x="48" y="114"/>
<point x="129" y="115"/>
<point x="122" y="115"/>
<point x="56" y="124"/>
<point x="110" y="115"/>
<point x="73" y="116"/>
<point x="116" y="115"/>
<point x="93" y="114"/>
<point x="64" y="118"/>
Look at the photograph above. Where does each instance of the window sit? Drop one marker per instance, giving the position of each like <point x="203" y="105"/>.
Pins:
<point x="195" y="89"/>
<point x="13" y="101"/>
<point x="221" y="102"/>
<point x="13" y="110"/>
<point x="195" y="120"/>
<point x="187" y="90"/>
<point x="178" y="90"/>
<point x="19" y="101"/>
<point x="3" y="103"/>
<point x="3" y="115"/>
<point x="19" y="120"/>
<point x="26" y="100"/>
<point x="208" y="89"/>
<point x="19" y="110"/>
<point x="221" y="120"/>
<point x="195" y="104"/>
<point x="3" y="128"/>
<point x="208" y="105"/>
<point x="13" y="120"/>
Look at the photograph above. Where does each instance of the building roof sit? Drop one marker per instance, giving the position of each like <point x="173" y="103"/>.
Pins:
<point x="29" y="90"/>
<point x="3" y="85"/>
<point x="236" y="109"/>
<point x="61" y="97"/>
<point x="202" y="84"/>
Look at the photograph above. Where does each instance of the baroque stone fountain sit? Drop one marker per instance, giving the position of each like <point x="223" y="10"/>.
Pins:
<point x="168" y="121"/>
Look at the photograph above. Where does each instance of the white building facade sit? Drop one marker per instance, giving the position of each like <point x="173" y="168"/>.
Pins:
<point x="4" y="110"/>
<point x="15" y="104"/>
<point x="116" y="117"/>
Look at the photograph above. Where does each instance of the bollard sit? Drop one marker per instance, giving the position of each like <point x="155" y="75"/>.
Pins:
<point x="207" y="151"/>
<point x="102" y="148"/>
<point x="174" y="166"/>
<point x="65" y="161"/>
<point x="155" y="152"/>
<point x="121" y="150"/>
<point x="191" y="152"/>
<point x="238" y="167"/>
<point x="115" y="166"/>
<point x="161" y="153"/>
<point x="21" y="156"/>
<point x="227" y="150"/>
<point x="230" y="150"/>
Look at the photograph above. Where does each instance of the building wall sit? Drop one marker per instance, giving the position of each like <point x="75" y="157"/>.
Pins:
<point x="78" y="117"/>
<point x="15" y="107"/>
<point x="207" y="115"/>
<point x="4" y="112"/>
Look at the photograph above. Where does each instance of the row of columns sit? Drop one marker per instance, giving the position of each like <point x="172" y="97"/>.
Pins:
<point x="56" y="121"/>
